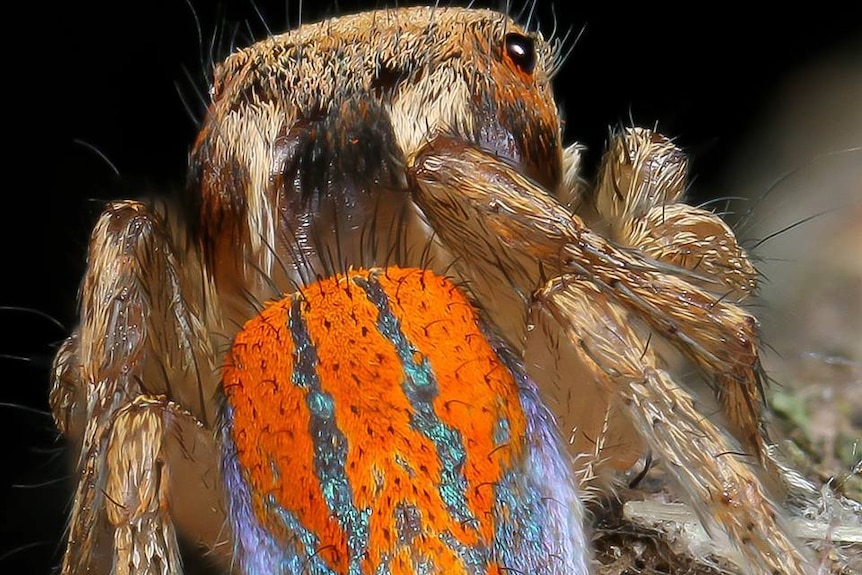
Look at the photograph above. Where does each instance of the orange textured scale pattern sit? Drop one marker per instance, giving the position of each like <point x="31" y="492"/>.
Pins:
<point x="372" y="428"/>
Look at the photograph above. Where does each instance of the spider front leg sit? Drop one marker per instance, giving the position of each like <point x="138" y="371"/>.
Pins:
<point x="152" y="451"/>
<point x="139" y="354"/>
<point x="494" y="218"/>
<point x="707" y="464"/>
<point x="639" y="196"/>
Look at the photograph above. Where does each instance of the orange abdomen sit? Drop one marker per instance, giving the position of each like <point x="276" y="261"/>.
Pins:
<point x="370" y="427"/>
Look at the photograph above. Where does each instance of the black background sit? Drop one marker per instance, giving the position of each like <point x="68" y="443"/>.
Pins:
<point x="113" y="76"/>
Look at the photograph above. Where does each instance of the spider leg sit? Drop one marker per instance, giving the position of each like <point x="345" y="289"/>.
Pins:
<point x="495" y="219"/>
<point x="640" y="185"/>
<point x="141" y="335"/>
<point x="639" y="193"/>
<point x="725" y="490"/>
<point x="136" y="488"/>
<point x="492" y="217"/>
<point x="503" y="226"/>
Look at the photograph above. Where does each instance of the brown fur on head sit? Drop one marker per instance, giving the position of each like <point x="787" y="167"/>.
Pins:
<point x="312" y="131"/>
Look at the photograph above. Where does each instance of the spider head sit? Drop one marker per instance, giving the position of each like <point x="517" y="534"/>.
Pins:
<point x="310" y="134"/>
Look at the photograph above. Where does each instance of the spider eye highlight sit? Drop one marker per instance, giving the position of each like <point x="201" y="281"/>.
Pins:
<point x="521" y="50"/>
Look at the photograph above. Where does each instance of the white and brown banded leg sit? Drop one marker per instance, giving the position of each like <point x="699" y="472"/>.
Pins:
<point x="728" y="493"/>
<point x="639" y="194"/>
<point x="140" y="335"/>
<point x="138" y="483"/>
<point x="500" y="223"/>
<point x="492" y="217"/>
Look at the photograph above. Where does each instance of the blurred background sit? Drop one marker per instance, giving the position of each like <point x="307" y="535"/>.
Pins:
<point x="102" y="100"/>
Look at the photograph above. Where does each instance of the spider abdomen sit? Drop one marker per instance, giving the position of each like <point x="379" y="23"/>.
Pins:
<point x="371" y="427"/>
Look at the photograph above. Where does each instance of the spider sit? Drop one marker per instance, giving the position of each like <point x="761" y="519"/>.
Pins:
<point x="333" y="357"/>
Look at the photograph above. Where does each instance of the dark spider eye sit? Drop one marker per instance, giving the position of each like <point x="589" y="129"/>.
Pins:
<point x="522" y="51"/>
